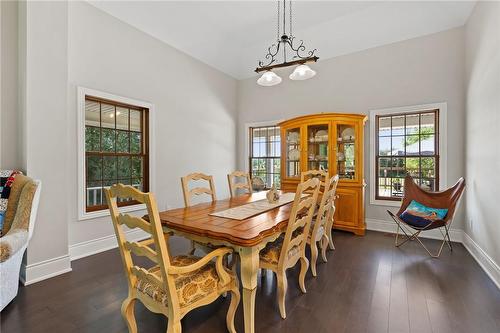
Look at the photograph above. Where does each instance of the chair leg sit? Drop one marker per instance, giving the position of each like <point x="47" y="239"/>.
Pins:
<point x="324" y="246"/>
<point x="330" y="238"/>
<point x="174" y="326"/>
<point x="193" y="248"/>
<point x="282" y="287"/>
<point x="314" y="256"/>
<point x="304" y="266"/>
<point x="235" y="300"/>
<point x="128" y="314"/>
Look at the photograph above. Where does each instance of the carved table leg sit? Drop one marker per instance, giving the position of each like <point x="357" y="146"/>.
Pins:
<point x="249" y="267"/>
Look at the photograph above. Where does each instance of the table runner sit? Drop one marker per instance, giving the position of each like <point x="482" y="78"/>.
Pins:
<point x="254" y="208"/>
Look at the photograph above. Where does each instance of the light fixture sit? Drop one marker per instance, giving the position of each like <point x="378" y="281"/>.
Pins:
<point x="269" y="79"/>
<point x="299" y="56"/>
<point x="302" y="72"/>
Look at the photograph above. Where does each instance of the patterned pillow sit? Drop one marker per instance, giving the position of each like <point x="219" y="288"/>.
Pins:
<point x="419" y="215"/>
<point x="6" y="181"/>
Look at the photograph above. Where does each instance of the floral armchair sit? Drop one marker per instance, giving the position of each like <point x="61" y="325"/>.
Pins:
<point x="17" y="229"/>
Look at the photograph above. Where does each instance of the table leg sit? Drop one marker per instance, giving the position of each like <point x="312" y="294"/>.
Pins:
<point x="249" y="257"/>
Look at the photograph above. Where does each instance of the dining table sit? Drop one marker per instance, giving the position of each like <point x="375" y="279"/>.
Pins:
<point x="245" y="236"/>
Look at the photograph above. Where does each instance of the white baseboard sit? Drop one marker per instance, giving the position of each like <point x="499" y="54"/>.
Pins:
<point x="94" y="246"/>
<point x="483" y="259"/>
<point x="45" y="269"/>
<point x="456" y="235"/>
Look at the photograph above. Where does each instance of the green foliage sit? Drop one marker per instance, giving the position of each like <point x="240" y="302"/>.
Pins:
<point x="425" y="133"/>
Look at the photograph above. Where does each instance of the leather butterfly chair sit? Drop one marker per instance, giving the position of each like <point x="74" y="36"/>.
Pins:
<point x="448" y="199"/>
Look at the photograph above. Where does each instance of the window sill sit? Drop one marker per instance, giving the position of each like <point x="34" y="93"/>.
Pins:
<point x="105" y="212"/>
<point x="387" y="203"/>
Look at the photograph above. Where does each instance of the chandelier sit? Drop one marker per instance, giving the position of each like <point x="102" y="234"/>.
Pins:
<point x="295" y="56"/>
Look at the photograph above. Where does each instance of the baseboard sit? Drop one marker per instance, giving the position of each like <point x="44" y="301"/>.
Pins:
<point x="39" y="271"/>
<point x="94" y="246"/>
<point x="483" y="259"/>
<point x="456" y="235"/>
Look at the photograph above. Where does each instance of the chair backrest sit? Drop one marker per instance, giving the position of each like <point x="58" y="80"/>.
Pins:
<point x="444" y="199"/>
<point x="234" y="186"/>
<point x="301" y="215"/>
<point x="189" y="193"/>
<point x="322" y="175"/>
<point x="159" y="255"/>
<point x="327" y="205"/>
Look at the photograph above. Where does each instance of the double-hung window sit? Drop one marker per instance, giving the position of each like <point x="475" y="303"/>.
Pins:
<point x="265" y="152"/>
<point x="115" y="144"/>
<point x="405" y="143"/>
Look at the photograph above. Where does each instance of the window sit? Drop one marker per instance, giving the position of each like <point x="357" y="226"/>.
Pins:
<point x="114" y="146"/>
<point x="265" y="151"/>
<point x="406" y="143"/>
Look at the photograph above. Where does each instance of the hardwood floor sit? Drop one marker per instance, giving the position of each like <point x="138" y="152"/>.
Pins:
<point x="367" y="285"/>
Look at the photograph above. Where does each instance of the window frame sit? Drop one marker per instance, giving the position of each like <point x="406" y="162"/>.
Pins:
<point x="248" y="127"/>
<point x="82" y="94"/>
<point x="440" y="144"/>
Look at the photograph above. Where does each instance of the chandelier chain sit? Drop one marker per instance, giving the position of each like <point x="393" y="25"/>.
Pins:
<point x="278" y="32"/>
<point x="290" y="9"/>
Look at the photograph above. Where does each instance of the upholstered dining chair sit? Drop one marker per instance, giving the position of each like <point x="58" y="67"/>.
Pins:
<point x="190" y="193"/>
<point x="448" y="199"/>
<point x="234" y="186"/>
<point x="321" y="225"/>
<point x="289" y="248"/>
<point x="174" y="285"/>
<point x="322" y="175"/>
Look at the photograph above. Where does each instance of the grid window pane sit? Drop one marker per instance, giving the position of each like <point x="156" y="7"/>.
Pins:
<point x="114" y="148"/>
<point x="265" y="152"/>
<point x="411" y="141"/>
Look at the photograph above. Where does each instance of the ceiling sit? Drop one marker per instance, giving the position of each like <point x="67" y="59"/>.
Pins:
<point x="233" y="36"/>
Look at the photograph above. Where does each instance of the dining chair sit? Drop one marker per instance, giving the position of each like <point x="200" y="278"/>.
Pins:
<point x="234" y="186"/>
<point x="329" y="222"/>
<point x="320" y="232"/>
<point x="322" y="175"/>
<point x="289" y="248"/>
<point x="190" y="193"/>
<point x="174" y="285"/>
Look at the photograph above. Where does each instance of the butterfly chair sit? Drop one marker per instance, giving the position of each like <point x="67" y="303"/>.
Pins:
<point x="447" y="199"/>
<point x="176" y="285"/>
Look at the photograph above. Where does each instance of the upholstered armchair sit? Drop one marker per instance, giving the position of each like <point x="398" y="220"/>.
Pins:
<point x="17" y="231"/>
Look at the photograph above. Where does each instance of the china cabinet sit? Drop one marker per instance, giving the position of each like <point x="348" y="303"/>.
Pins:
<point x="332" y="142"/>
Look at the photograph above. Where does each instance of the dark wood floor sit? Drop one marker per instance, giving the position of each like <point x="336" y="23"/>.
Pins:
<point x="366" y="286"/>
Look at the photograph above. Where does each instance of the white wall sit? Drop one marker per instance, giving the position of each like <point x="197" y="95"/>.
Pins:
<point x="9" y="116"/>
<point x="482" y="38"/>
<point x="418" y="71"/>
<point x="44" y="81"/>
<point x="195" y="106"/>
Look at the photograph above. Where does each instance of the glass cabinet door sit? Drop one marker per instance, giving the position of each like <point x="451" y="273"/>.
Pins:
<point x="317" y="147"/>
<point x="292" y="149"/>
<point x="346" y="151"/>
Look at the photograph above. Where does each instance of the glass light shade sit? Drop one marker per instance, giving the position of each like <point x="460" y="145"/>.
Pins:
<point x="269" y="79"/>
<point x="302" y="72"/>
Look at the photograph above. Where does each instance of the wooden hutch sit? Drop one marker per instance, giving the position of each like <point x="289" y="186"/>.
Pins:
<point x="332" y="142"/>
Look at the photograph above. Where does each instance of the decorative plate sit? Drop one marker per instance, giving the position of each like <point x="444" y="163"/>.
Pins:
<point x="294" y="155"/>
<point x="348" y="134"/>
<point x="293" y="137"/>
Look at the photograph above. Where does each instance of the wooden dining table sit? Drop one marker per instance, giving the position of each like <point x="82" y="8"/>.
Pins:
<point x="247" y="237"/>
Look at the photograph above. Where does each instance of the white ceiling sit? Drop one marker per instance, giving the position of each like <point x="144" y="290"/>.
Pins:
<point x="233" y="36"/>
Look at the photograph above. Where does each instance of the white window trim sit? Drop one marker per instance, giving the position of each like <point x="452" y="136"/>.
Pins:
<point x="82" y="92"/>
<point x="247" y="137"/>
<point x="442" y="107"/>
